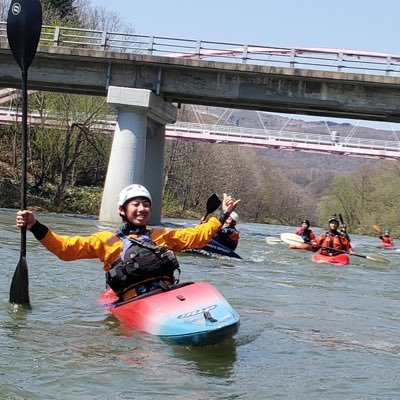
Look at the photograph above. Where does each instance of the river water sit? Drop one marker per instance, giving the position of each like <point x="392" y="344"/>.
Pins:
<point x="307" y="331"/>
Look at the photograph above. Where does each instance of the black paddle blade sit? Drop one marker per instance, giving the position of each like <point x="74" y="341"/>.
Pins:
<point x="213" y="203"/>
<point x="24" y="24"/>
<point x="19" y="290"/>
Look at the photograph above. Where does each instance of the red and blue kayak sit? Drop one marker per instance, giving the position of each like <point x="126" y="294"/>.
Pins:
<point x="342" y="258"/>
<point x="189" y="313"/>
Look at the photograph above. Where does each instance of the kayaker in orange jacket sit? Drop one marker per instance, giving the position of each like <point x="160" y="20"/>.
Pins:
<point x="134" y="207"/>
<point x="333" y="239"/>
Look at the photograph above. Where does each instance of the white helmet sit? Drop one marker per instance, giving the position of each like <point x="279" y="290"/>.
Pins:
<point x="132" y="191"/>
<point x="234" y="216"/>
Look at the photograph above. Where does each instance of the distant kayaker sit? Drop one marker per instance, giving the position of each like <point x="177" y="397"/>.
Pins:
<point x="228" y="235"/>
<point x="333" y="239"/>
<point x="136" y="259"/>
<point x="305" y="232"/>
<point x="386" y="239"/>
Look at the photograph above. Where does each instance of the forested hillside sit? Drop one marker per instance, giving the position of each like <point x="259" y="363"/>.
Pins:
<point x="295" y="185"/>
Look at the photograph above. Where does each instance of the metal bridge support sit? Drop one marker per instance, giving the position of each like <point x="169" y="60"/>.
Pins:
<point x="137" y="153"/>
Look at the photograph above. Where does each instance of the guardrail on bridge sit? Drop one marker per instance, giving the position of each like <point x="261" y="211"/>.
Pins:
<point x="341" y="60"/>
<point x="267" y="138"/>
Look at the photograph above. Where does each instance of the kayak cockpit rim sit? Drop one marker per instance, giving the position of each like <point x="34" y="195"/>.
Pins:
<point x="119" y="303"/>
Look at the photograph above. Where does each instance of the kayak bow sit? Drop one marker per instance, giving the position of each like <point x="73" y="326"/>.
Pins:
<point x="214" y="247"/>
<point x="342" y="259"/>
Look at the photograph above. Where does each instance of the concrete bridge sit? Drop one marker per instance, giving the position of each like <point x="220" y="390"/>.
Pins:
<point x="142" y="80"/>
<point x="322" y="82"/>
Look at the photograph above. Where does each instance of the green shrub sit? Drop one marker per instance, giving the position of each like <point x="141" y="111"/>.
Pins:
<point x="83" y="199"/>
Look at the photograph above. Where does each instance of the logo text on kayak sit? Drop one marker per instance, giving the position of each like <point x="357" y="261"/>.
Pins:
<point x="195" y="312"/>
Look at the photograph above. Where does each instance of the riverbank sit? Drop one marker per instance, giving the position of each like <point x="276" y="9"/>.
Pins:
<point x="77" y="200"/>
<point x="86" y="200"/>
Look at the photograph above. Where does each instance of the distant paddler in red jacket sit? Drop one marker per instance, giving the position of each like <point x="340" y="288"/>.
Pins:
<point x="305" y="232"/>
<point x="333" y="239"/>
<point x="307" y="235"/>
<point x="386" y="239"/>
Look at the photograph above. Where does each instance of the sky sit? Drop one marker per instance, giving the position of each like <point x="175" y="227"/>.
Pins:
<point x="364" y="25"/>
<point x="349" y="24"/>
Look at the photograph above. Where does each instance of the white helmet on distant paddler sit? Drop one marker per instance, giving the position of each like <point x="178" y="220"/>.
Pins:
<point x="234" y="216"/>
<point x="132" y="191"/>
<point x="334" y="218"/>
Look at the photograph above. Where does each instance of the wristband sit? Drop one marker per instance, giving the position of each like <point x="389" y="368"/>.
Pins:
<point x="39" y="230"/>
<point x="223" y="216"/>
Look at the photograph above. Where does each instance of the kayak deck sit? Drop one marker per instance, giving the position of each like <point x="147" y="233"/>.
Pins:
<point x="303" y="246"/>
<point x="213" y="247"/>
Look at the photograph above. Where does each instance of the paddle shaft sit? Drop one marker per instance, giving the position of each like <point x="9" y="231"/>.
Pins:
<point x="340" y="251"/>
<point x="24" y="154"/>
<point x="375" y="258"/>
<point x="24" y="24"/>
<point x="19" y="289"/>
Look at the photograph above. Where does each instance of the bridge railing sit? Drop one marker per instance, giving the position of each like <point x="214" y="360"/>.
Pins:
<point x="284" y="136"/>
<point x="340" y="60"/>
<point x="226" y="133"/>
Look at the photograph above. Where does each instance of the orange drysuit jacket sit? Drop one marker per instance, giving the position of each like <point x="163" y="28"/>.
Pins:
<point x="107" y="247"/>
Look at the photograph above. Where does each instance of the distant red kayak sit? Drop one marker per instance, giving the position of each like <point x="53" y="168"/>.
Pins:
<point x="342" y="259"/>
<point x="386" y="245"/>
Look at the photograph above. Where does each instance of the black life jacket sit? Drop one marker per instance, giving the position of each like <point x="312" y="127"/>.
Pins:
<point x="141" y="261"/>
<point x="305" y="235"/>
<point x="223" y="236"/>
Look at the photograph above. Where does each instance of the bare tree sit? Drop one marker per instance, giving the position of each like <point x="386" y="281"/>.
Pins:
<point x="98" y="18"/>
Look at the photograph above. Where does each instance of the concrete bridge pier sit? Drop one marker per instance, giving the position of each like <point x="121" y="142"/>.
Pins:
<point x="137" y="153"/>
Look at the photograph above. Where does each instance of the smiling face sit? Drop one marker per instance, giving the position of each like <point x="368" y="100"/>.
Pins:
<point x="137" y="211"/>
<point x="333" y="225"/>
<point x="229" y="222"/>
